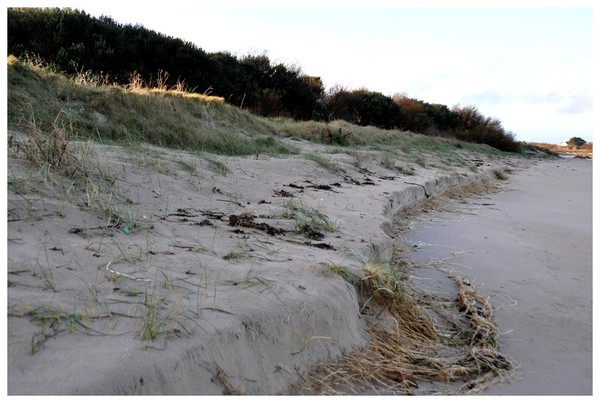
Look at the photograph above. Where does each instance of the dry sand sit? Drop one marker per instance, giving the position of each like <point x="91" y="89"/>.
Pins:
<point x="185" y="303"/>
<point x="529" y="247"/>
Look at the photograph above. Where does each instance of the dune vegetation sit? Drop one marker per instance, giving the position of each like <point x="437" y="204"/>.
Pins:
<point x="101" y="50"/>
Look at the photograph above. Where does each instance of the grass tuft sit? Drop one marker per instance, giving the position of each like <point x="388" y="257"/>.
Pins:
<point x="304" y="216"/>
<point x="328" y="164"/>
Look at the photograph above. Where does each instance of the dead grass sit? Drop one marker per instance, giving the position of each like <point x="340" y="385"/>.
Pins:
<point x="51" y="150"/>
<point x="452" y="344"/>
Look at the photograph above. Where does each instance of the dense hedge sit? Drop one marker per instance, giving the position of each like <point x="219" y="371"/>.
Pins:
<point x="71" y="41"/>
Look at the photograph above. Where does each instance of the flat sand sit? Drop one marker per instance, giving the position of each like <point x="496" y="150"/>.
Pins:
<point x="169" y="275"/>
<point x="529" y="248"/>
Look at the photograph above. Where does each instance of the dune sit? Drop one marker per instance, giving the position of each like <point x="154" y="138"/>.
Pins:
<point x="207" y="282"/>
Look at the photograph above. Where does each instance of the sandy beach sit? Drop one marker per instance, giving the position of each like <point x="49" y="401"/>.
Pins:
<point x="529" y="248"/>
<point x="204" y="283"/>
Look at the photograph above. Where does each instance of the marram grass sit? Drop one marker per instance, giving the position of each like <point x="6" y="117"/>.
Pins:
<point x="456" y="350"/>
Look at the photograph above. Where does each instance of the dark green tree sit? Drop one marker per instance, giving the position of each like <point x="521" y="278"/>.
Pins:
<point x="576" y="142"/>
<point x="364" y="108"/>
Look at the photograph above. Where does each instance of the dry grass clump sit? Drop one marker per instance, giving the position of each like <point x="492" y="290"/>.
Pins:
<point x="160" y="87"/>
<point x="386" y="289"/>
<point x="419" y="338"/>
<point x="476" y="188"/>
<point x="50" y="150"/>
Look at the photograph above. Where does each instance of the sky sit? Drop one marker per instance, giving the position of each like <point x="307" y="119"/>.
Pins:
<point x="527" y="63"/>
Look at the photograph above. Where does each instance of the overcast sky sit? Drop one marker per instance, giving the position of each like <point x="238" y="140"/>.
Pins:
<point x="530" y="67"/>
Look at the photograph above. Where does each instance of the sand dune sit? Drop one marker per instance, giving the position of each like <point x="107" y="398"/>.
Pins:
<point x="204" y="283"/>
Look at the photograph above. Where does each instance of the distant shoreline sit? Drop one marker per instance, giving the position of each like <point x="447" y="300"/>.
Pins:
<point x="586" y="150"/>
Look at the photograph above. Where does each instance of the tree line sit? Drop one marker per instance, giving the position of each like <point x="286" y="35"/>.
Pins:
<point x="71" y="40"/>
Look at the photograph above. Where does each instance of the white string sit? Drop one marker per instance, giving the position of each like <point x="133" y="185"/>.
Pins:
<point x="126" y="275"/>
